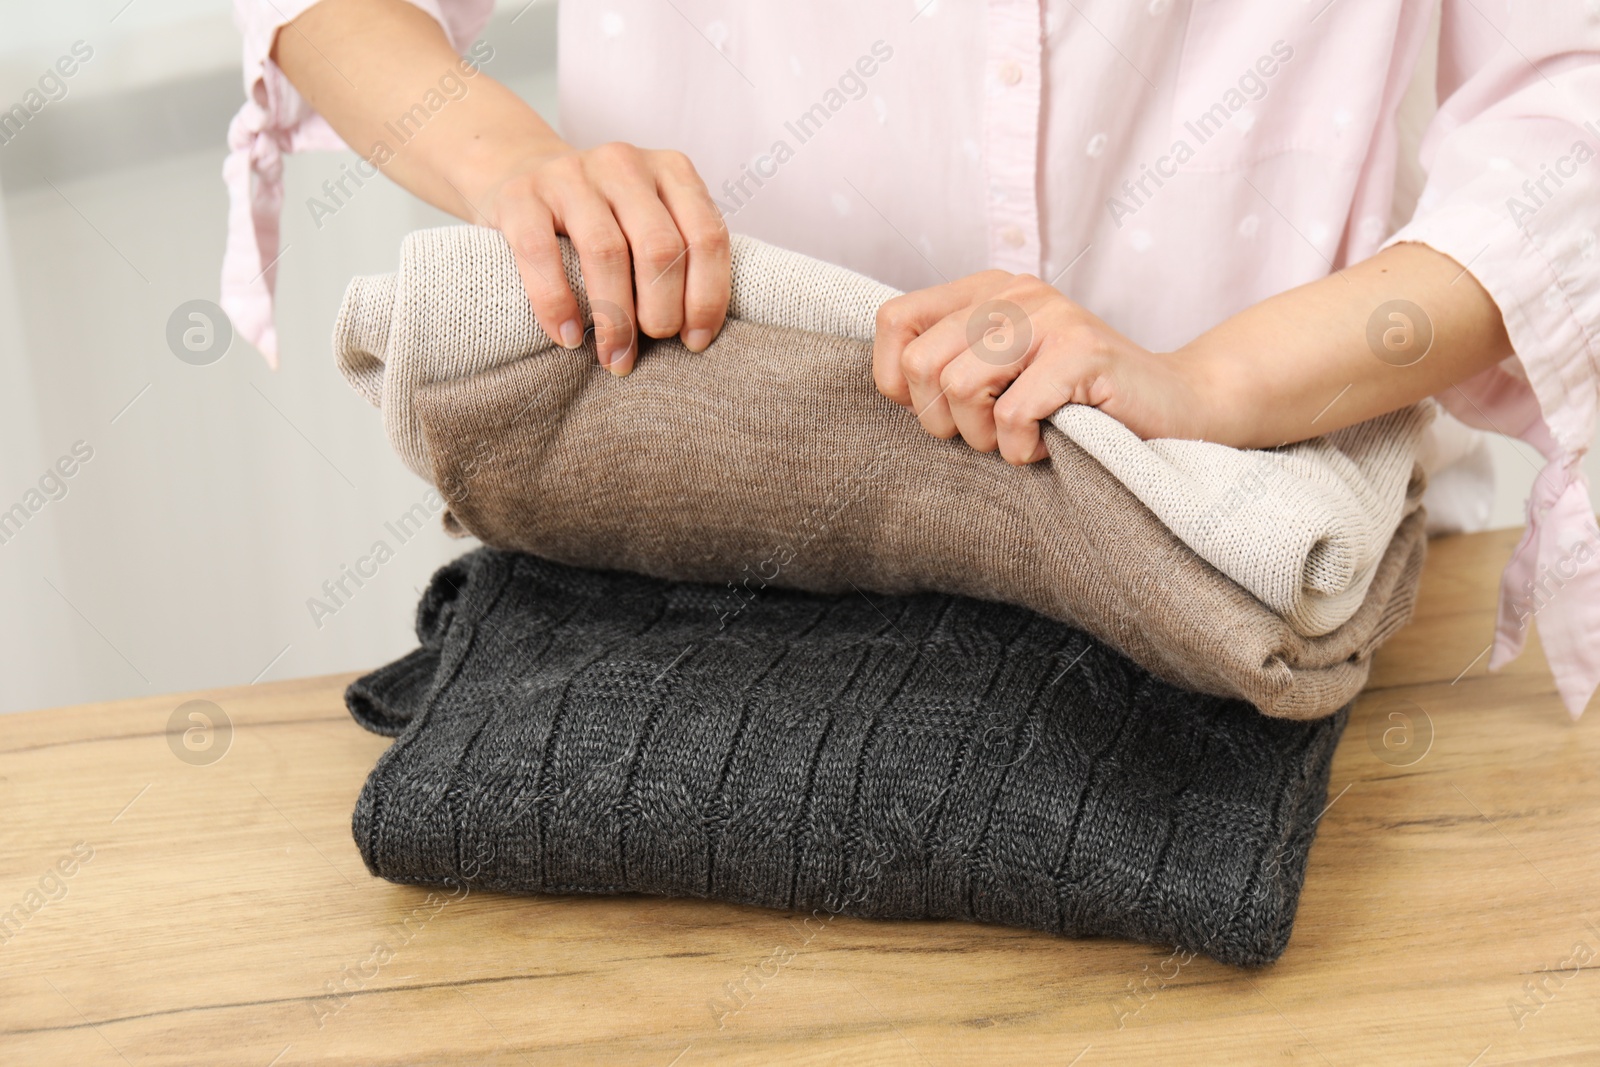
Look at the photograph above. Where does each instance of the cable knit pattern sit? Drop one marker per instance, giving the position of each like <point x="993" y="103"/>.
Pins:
<point x="568" y="731"/>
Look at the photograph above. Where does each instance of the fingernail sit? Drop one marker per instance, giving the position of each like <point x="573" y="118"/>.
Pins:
<point x="697" y="340"/>
<point x="619" y="364"/>
<point x="571" y="333"/>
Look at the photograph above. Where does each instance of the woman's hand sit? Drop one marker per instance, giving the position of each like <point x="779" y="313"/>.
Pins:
<point x="652" y="245"/>
<point x="989" y="355"/>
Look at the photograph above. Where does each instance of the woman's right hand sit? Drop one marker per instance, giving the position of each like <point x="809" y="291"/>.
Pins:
<point x="652" y="245"/>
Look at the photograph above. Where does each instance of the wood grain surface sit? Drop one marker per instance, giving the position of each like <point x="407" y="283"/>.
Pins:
<point x="210" y="908"/>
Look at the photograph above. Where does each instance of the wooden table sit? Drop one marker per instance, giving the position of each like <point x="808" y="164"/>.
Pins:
<point x="216" y="911"/>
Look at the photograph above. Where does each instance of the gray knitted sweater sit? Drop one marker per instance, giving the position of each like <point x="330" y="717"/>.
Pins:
<point x="928" y="756"/>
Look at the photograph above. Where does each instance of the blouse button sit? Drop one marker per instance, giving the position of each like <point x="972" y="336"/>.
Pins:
<point x="1012" y="236"/>
<point x="1010" y="72"/>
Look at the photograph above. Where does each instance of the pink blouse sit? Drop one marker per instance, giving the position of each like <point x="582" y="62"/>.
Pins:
<point x="1165" y="163"/>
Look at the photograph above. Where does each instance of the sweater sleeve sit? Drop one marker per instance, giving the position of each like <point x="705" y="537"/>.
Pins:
<point x="1513" y="195"/>
<point x="275" y="119"/>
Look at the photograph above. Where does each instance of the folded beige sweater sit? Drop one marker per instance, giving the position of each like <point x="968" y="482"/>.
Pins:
<point x="770" y="459"/>
<point x="1302" y="527"/>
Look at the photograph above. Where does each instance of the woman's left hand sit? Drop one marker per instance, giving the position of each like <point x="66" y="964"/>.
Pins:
<point x="989" y="355"/>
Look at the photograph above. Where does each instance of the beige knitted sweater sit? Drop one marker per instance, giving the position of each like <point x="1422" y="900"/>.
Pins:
<point x="770" y="457"/>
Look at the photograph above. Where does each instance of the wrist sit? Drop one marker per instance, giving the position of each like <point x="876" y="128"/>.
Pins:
<point x="1222" y="411"/>
<point x="482" y="176"/>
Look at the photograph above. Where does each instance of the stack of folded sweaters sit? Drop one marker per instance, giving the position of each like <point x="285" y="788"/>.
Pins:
<point x="743" y="630"/>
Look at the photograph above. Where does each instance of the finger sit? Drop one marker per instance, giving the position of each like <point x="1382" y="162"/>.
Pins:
<point x="902" y="319"/>
<point x="603" y="256"/>
<point x="530" y="230"/>
<point x="923" y="364"/>
<point x="708" y="276"/>
<point x="657" y="248"/>
<point x="1001" y="340"/>
<point x="971" y="384"/>
<point x="899" y="322"/>
<point x="1038" y="393"/>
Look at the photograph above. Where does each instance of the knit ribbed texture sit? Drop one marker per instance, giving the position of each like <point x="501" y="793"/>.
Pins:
<point x="663" y="475"/>
<point x="456" y="307"/>
<point x="568" y="731"/>
<point x="1303" y="528"/>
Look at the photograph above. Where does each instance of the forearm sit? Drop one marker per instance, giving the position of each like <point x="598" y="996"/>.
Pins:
<point x="366" y="64"/>
<point x="1300" y="364"/>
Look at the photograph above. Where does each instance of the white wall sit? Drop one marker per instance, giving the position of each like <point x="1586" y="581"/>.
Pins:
<point x="137" y="44"/>
<point x="184" y="551"/>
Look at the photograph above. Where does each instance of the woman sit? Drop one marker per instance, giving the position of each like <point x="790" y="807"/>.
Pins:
<point x="1215" y="179"/>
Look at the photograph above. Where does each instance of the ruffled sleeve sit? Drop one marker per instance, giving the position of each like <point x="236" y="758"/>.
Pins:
<point x="275" y="119"/>
<point x="1513" y="194"/>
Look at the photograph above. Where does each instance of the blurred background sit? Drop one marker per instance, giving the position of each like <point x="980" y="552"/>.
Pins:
<point x="217" y="499"/>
